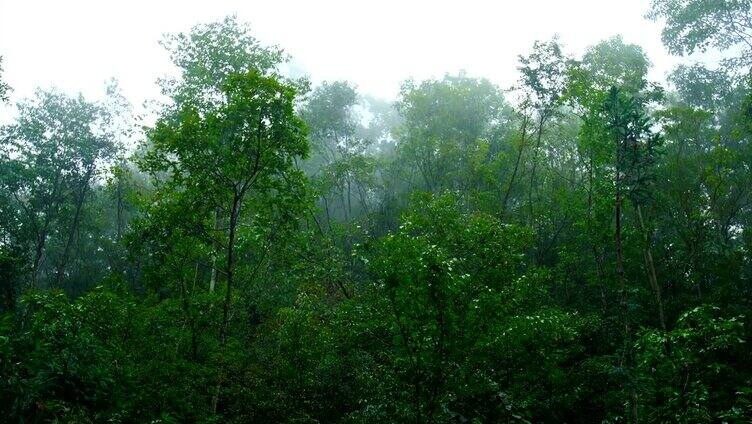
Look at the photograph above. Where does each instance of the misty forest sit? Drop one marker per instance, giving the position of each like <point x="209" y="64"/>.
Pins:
<point x="575" y="246"/>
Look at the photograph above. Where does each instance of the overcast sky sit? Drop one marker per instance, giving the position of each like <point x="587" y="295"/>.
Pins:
<point x="76" y="45"/>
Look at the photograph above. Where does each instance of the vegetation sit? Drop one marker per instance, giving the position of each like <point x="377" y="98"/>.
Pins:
<point x="576" y="249"/>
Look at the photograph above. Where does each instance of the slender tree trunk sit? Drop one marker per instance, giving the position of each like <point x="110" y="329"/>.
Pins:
<point x="437" y="380"/>
<point x="229" y="272"/>
<point x="119" y="209"/>
<point x="38" y="250"/>
<point x="344" y="206"/>
<point x="349" y="197"/>
<point x="628" y="354"/>
<point x="215" y="253"/>
<point x="624" y="307"/>
<point x="539" y="136"/>
<point x="596" y="257"/>
<point x="516" y="166"/>
<point x="74" y="226"/>
<point x="363" y="198"/>
<point x="41" y="234"/>
<point x="650" y="268"/>
<point x="188" y="314"/>
<point x="230" y="268"/>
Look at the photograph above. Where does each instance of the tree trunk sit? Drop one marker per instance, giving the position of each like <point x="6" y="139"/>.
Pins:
<point x="38" y="251"/>
<point x="629" y="359"/>
<point x="41" y="234"/>
<point x="215" y="253"/>
<point x="229" y="271"/>
<point x="650" y="268"/>
<point x="74" y="225"/>
<point x="516" y="166"/>
<point x="598" y="259"/>
<point x="188" y="315"/>
<point x="534" y="166"/>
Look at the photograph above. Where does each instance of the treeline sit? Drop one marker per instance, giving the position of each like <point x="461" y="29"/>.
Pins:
<point x="574" y="249"/>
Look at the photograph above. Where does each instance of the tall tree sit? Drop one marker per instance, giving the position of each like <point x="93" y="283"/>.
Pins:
<point x="218" y="157"/>
<point x="543" y="78"/>
<point x="206" y="56"/>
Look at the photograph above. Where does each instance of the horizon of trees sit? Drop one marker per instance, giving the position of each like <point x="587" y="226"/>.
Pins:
<point x="574" y="249"/>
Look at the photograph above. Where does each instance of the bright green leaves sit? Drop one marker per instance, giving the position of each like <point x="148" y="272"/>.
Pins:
<point x="65" y="360"/>
<point x="223" y="151"/>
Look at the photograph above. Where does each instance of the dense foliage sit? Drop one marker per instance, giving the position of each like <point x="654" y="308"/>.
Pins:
<point x="575" y="249"/>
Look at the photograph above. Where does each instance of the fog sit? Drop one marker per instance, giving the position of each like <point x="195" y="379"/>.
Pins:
<point x="77" y="45"/>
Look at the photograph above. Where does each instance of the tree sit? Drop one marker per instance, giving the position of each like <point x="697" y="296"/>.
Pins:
<point x="216" y="158"/>
<point x="447" y="128"/>
<point x="463" y="321"/>
<point x="51" y="156"/>
<point x="340" y="167"/>
<point x="542" y="83"/>
<point x="206" y="56"/>
<point x="696" y="25"/>
<point x="4" y="88"/>
<point x="613" y="63"/>
<point x="209" y="54"/>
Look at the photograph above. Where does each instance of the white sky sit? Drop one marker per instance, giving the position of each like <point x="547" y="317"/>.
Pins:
<point x="76" y="45"/>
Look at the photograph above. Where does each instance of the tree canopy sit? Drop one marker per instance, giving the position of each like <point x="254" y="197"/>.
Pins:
<point x="576" y="247"/>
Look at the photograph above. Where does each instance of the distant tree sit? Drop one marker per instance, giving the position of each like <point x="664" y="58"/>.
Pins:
<point x="50" y="157"/>
<point x="206" y="57"/>
<point x="447" y="129"/>
<point x="700" y="87"/>
<point x="614" y="63"/>
<point x="340" y="165"/>
<point x="4" y="88"/>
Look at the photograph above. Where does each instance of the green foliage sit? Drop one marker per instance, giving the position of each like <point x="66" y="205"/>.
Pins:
<point x="690" y="373"/>
<point x="65" y="357"/>
<point x="446" y="124"/>
<point x="250" y="138"/>
<point x="4" y="88"/>
<point x="209" y="54"/>
<point x="462" y="314"/>
<point x="614" y="63"/>
<point x="580" y="254"/>
<point x="696" y="25"/>
<point x="50" y="157"/>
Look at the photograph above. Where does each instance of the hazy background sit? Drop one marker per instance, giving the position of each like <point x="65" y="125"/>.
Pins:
<point x="77" y="45"/>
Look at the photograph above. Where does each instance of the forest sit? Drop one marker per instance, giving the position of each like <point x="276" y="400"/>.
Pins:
<point x="573" y="248"/>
